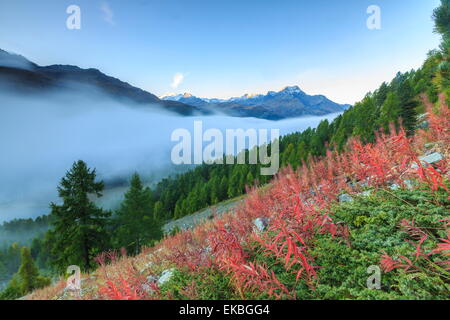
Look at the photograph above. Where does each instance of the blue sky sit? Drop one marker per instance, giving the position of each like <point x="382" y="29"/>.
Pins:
<point x="227" y="48"/>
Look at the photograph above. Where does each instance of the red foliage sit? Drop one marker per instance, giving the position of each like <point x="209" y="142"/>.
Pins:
<point x="431" y="177"/>
<point x="438" y="121"/>
<point x="443" y="249"/>
<point x="109" y="257"/>
<point x="292" y="234"/>
<point x="388" y="264"/>
<point x="120" y="290"/>
<point x="251" y="277"/>
<point x="225" y="244"/>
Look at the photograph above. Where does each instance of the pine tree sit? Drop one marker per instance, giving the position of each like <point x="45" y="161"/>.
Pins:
<point x="184" y="208"/>
<point x="441" y="16"/>
<point x="302" y="153"/>
<point x="79" y="226"/>
<point x="137" y="225"/>
<point x="26" y="279"/>
<point x="203" y="195"/>
<point x="12" y="291"/>
<point x="286" y="154"/>
<point x="408" y="106"/>
<point x="250" y="180"/>
<point x="390" y="110"/>
<point x="381" y="94"/>
<point x="28" y="272"/>
<point x="223" y="189"/>
<point x="158" y="210"/>
<point x="215" y="190"/>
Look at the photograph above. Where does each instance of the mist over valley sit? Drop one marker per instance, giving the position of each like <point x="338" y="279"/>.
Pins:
<point x="43" y="134"/>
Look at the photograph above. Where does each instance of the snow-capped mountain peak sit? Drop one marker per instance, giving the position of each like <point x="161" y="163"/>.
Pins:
<point x="291" y="90"/>
<point x="288" y="102"/>
<point x="175" y="96"/>
<point x="168" y="95"/>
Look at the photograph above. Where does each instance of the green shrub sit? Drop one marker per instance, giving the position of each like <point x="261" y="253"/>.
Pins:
<point x="207" y="284"/>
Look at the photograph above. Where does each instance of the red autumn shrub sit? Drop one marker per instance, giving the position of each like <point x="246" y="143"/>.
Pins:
<point x="120" y="290"/>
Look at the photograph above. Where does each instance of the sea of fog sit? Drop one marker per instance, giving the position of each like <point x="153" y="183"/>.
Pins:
<point x="40" y="138"/>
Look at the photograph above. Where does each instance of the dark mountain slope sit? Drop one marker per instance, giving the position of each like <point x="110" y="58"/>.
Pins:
<point x="17" y="74"/>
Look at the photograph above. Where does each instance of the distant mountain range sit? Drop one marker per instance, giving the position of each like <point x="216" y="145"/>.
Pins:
<point x="287" y="103"/>
<point x="17" y="74"/>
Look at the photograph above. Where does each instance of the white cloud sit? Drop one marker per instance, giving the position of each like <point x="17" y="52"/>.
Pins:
<point x="177" y="80"/>
<point x="108" y="14"/>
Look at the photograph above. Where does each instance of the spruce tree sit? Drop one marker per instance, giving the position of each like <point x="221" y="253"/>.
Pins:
<point x="234" y="183"/>
<point x="250" y="180"/>
<point x="441" y="17"/>
<point x="137" y="225"/>
<point x="158" y="210"/>
<point x="390" y="110"/>
<point x="223" y="188"/>
<point x="26" y="279"/>
<point x="215" y="190"/>
<point x="381" y="94"/>
<point x="408" y="106"/>
<point x="79" y="226"/>
<point x="28" y="272"/>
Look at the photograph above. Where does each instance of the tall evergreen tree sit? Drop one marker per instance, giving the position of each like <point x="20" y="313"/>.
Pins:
<point x="381" y="94"/>
<point x="215" y="190"/>
<point x="223" y="188"/>
<point x="441" y="16"/>
<point x="250" y="180"/>
<point x="389" y="110"/>
<point x="137" y="226"/>
<point x="29" y="273"/>
<point x="158" y="210"/>
<point x="408" y="105"/>
<point x="26" y="279"/>
<point x="79" y="226"/>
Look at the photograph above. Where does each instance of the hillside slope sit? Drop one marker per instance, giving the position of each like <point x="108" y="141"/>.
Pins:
<point x="312" y="234"/>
